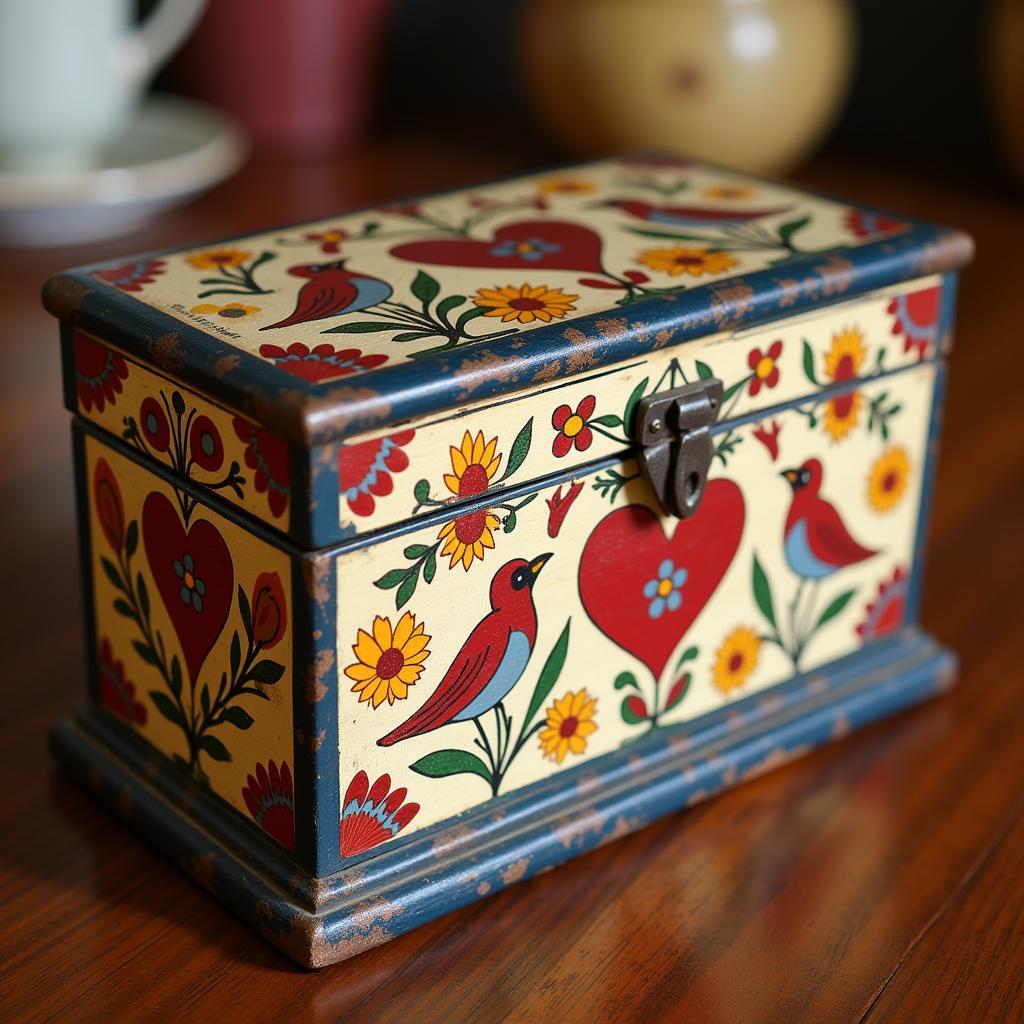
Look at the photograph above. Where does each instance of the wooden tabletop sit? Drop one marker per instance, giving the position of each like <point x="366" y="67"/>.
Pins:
<point x="882" y="877"/>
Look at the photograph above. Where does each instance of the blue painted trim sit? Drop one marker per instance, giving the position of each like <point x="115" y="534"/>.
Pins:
<point x="439" y="869"/>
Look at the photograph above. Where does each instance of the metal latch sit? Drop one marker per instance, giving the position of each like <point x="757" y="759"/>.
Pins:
<point x="673" y="430"/>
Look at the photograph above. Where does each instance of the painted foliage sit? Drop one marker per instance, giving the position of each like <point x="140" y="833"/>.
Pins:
<point x="341" y="297"/>
<point x="193" y="634"/>
<point x="524" y="637"/>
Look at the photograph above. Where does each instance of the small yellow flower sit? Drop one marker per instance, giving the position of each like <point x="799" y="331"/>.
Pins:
<point x="736" y="659"/>
<point x="389" y="661"/>
<point x="729" y="192"/>
<point x="218" y="259"/>
<point x="843" y="362"/>
<point x="525" y="304"/>
<point x="887" y="481"/>
<point x="687" y="259"/>
<point x="566" y="186"/>
<point x="231" y="311"/>
<point x="474" y="464"/>
<point x="570" y="720"/>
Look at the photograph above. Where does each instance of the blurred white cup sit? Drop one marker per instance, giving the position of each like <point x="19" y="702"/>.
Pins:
<point x="71" y="72"/>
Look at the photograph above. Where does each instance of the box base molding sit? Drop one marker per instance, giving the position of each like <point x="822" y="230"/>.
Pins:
<point x="441" y="868"/>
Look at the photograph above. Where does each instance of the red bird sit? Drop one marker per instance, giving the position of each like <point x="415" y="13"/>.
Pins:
<point x="816" y="540"/>
<point x="331" y="290"/>
<point x="492" y="659"/>
<point x="689" y="216"/>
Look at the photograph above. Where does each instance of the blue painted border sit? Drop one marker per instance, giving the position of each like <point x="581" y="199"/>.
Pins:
<point x="510" y="839"/>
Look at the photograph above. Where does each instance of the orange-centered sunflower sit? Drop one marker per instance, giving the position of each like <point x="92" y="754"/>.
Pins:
<point x="474" y="464"/>
<point x="887" y="481"/>
<point x="687" y="259"/>
<point x="389" y="660"/>
<point x="570" y="720"/>
<point x="736" y="659"/>
<point x="843" y="362"/>
<point x="218" y="259"/>
<point x="525" y="304"/>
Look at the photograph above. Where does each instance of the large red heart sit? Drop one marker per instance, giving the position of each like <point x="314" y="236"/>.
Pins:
<point x="194" y="575"/>
<point x="627" y="557"/>
<point x="525" y="245"/>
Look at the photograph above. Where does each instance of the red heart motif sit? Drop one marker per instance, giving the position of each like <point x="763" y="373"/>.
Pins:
<point x="194" y="575"/>
<point x="629" y="549"/>
<point x="525" y="245"/>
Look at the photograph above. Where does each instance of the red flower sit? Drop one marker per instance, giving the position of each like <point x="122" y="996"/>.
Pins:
<point x="886" y="613"/>
<point x="572" y="427"/>
<point x="769" y="437"/>
<point x="98" y="373"/>
<point x="269" y="458"/>
<point x="117" y="695"/>
<point x="130" y="277"/>
<point x="558" y="506"/>
<point x="109" y="506"/>
<point x="866" y="224"/>
<point x="916" y="316"/>
<point x="155" y="428"/>
<point x="205" y="445"/>
<point x="271" y="802"/>
<point x="372" y="815"/>
<point x="764" y="367"/>
<point x="269" y="616"/>
<point x="323" y="362"/>
<point x="365" y="470"/>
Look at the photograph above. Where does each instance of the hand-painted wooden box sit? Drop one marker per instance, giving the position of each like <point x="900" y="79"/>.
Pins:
<point x="425" y="547"/>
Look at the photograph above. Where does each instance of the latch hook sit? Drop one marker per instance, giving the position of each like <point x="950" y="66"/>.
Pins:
<point x="673" y="429"/>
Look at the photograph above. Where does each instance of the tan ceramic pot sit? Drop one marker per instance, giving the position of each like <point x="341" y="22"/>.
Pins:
<point x="750" y="83"/>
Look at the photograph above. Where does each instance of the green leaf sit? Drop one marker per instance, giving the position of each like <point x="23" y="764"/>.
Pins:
<point x="548" y="675"/>
<point x="175" y="681"/>
<point x="236" y="655"/>
<point x="421" y="492"/>
<point x="425" y="288"/>
<point x="445" y="306"/>
<point x="430" y="566"/>
<point x="178" y="404"/>
<point x="763" y="593"/>
<point x="688" y="655"/>
<point x="238" y="717"/>
<point x="469" y="314"/>
<point x="131" y="539"/>
<point x="629" y="716"/>
<point x="790" y="228"/>
<point x="246" y="612"/>
<point x="413" y="336"/>
<point x="624" y="679"/>
<point x="213" y="746"/>
<point x="809" y="363"/>
<point x="609" y="420"/>
<point x="414" y="551"/>
<point x="363" y="327"/>
<point x="122" y="607"/>
<point x="166" y="707"/>
<point x="391" y="579"/>
<point x="204" y="700"/>
<point x="442" y="763"/>
<point x="143" y="591"/>
<point x="834" y="608"/>
<point x="406" y="590"/>
<point x="266" y="672"/>
<point x="520" y="449"/>
<point x="510" y="522"/>
<point x="146" y="653"/>
<point x="112" y="574"/>
<point x="732" y="389"/>
<point x="704" y="371"/>
<point x="631" y="403"/>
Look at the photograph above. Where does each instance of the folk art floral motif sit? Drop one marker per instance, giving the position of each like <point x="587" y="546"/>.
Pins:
<point x="193" y="623"/>
<point x="443" y="272"/>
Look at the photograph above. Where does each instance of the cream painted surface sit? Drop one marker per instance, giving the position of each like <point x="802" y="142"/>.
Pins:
<point x="449" y="607"/>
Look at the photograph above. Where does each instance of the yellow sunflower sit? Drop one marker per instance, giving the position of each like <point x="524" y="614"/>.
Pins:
<point x="566" y="186"/>
<point x="887" y="481"/>
<point x="218" y="259"/>
<point x="230" y="311"/>
<point x="525" y="304"/>
<point x="474" y="464"/>
<point x="570" y="720"/>
<point x="736" y="659"/>
<point x="390" y="661"/>
<point x="843" y="362"/>
<point x="687" y="259"/>
<point x="729" y="192"/>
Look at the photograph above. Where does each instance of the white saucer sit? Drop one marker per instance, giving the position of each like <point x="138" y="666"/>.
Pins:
<point x="175" y="149"/>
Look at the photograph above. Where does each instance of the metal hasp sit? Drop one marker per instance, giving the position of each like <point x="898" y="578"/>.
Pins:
<point x="673" y="429"/>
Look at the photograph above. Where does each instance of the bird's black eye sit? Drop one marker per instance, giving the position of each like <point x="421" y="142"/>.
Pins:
<point x="519" y="579"/>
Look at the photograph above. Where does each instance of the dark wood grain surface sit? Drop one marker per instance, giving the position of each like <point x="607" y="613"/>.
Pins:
<point x="882" y="877"/>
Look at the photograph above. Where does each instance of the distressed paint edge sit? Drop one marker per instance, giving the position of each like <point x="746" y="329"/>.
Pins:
<point x="444" y="868"/>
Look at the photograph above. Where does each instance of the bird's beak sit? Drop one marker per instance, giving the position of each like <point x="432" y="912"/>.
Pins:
<point x="793" y="476"/>
<point x="536" y="565"/>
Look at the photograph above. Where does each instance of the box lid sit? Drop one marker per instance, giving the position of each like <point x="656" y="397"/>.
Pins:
<point x="363" y="320"/>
